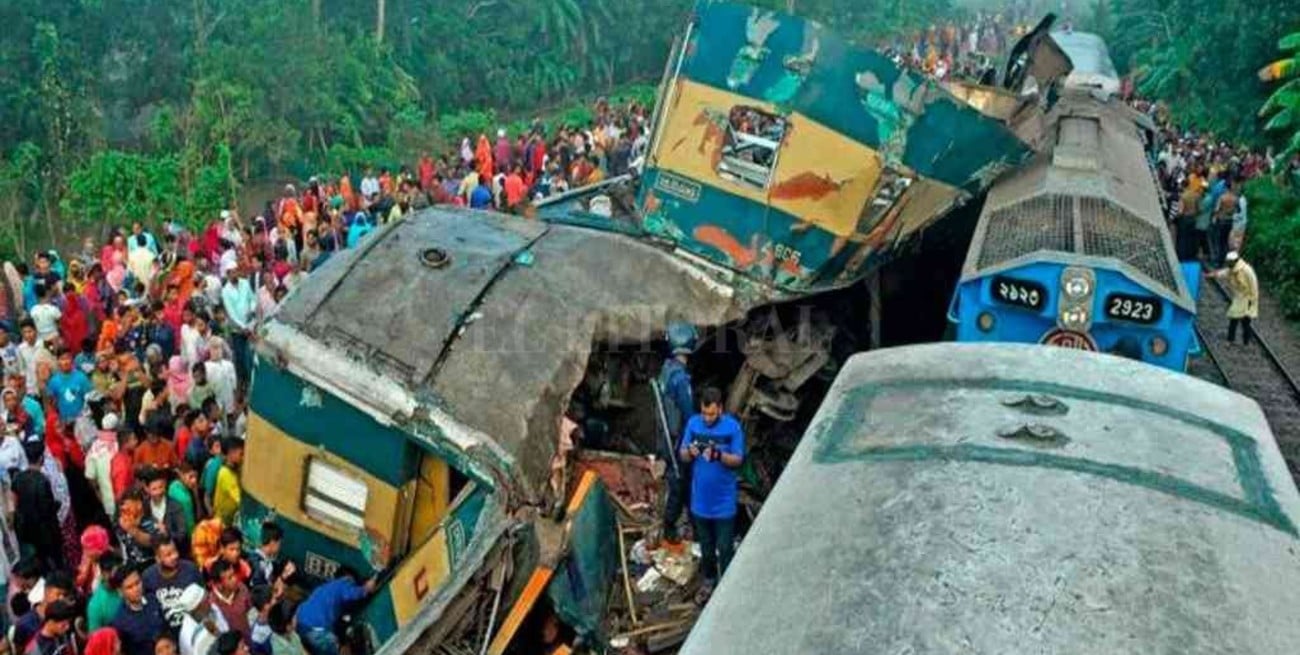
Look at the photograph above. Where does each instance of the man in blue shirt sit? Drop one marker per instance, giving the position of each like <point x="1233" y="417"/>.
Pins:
<point x="481" y="196"/>
<point x="714" y="444"/>
<point x="323" y="608"/>
<point x="139" y="621"/>
<point x="69" y="387"/>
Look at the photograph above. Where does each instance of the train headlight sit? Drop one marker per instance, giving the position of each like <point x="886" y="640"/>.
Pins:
<point x="1077" y="283"/>
<point x="985" y="322"/>
<point x="1159" y="346"/>
<point x="1076" y="318"/>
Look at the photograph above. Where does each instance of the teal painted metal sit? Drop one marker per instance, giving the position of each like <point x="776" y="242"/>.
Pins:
<point x="802" y="67"/>
<point x="463" y="524"/>
<point x="313" y="416"/>
<point x="1257" y="501"/>
<point x="679" y="217"/>
<point x="318" y="552"/>
<point x="799" y="66"/>
<point x="582" y="584"/>
<point x="379" y="616"/>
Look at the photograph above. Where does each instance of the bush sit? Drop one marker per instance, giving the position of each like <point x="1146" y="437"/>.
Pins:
<point x="1273" y="240"/>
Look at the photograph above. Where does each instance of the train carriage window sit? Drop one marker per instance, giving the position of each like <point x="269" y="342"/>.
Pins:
<point x="889" y="189"/>
<point x="333" y="495"/>
<point x="749" y="152"/>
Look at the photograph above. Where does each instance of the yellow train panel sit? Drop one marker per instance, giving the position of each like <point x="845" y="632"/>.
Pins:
<point x="821" y="176"/>
<point x="421" y="574"/>
<point x="432" y="496"/>
<point x="275" y="468"/>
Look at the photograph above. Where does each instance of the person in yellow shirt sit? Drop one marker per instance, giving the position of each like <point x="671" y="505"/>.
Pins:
<point x="226" y="495"/>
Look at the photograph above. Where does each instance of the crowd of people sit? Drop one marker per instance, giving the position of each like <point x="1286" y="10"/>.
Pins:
<point x="961" y="50"/>
<point x="1202" y="179"/>
<point x="506" y="174"/>
<point x="126" y="367"/>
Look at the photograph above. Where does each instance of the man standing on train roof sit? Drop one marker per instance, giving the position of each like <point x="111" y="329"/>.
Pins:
<point x="1244" y="287"/>
<point x="714" y="442"/>
<point x="678" y="403"/>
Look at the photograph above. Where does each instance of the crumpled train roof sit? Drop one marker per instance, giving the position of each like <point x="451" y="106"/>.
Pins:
<point x="499" y="334"/>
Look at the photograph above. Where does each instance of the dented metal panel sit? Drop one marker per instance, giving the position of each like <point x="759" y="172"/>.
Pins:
<point x="424" y="299"/>
<point x="497" y="339"/>
<point x="795" y="158"/>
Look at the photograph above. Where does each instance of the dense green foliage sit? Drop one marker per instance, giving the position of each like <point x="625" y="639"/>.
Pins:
<point x="1283" y="107"/>
<point x="1273" y="241"/>
<point x="173" y="104"/>
<point x="1200" y="56"/>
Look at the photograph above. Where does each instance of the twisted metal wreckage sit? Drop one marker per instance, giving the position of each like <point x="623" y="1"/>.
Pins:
<point x="416" y="403"/>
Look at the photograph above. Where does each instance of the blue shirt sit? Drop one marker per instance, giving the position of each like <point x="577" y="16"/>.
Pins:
<point x="29" y="292"/>
<point x="37" y="413"/>
<point x="358" y="231"/>
<point x="714" y="485"/>
<point x="69" y="391"/>
<point x="139" y="628"/>
<point x="480" y="198"/>
<point x="324" y="606"/>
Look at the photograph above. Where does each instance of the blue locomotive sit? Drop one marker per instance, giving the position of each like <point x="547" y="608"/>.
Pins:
<point x="1073" y="250"/>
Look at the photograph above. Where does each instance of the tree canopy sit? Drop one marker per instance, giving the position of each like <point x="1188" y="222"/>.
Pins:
<point x="173" y="104"/>
<point x="1200" y="56"/>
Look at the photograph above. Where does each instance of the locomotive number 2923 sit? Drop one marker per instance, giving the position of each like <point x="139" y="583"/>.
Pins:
<point x="1022" y="293"/>
<point x="1135" y="309"/>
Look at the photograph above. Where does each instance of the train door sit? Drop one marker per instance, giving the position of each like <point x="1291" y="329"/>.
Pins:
<point x="431" y="499"/>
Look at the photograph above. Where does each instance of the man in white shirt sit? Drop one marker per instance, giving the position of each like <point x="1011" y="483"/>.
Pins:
<point x="28" y="352"/>
<point x="201" y="623"/>
<point x="46" y="316"/>
<point x="140" y="261"/>
<point x="241" y="306"/>
<point x="369" y="185"/>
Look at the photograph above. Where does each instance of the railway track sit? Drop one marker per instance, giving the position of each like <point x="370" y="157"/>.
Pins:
<point x="1254" y="370"/>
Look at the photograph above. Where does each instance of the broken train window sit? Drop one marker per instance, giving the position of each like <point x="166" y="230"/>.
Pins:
<point x="333" y="495"/>
<point x="889" y="189"/>
<point x="749" y="152"/>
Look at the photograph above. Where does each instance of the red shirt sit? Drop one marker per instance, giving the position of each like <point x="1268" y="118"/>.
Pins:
<point x="426" y="173"/>
<point x="122" y="472"/>
<point x="183" y="436"/>
<point x="514" y="187"/>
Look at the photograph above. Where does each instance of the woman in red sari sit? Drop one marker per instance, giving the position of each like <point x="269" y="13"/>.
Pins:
<point x="74" y="325"/>
<point x="483" y="158"/>
<point x="183" y="277"/>
<point x="345" y="190"/>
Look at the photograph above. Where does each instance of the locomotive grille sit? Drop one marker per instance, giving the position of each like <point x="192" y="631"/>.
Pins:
<point x="1042" y="223"/>
<point x="1109" y="231"/>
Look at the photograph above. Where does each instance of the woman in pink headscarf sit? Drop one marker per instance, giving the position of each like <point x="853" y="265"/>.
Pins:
<point x="94" y="543"/>
<point x="178" y="379"/>
<point x="107" y="254"/>
<point x="104" y="641"/>
<point x="115" y="273"/>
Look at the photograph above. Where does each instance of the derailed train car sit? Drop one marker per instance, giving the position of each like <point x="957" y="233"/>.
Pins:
<point x="408" y="403"/>
<point x="1073" y="250"/>
<point x="989" y="498"/>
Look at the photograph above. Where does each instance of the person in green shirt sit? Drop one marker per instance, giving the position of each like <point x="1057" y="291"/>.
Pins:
<point x="210" y="470"/>
<point x="181" y="490"/>
<point x="104" y="600"/>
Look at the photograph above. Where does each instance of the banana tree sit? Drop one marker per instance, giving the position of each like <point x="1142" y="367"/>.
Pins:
<point x="1284" y="105"/>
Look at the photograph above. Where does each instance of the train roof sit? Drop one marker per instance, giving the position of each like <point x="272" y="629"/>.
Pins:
<point x="1089" y="57"/>
<point x="484" y="323"/>
<point x="1090" y="195"/>
<point x="918" y="514"/>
